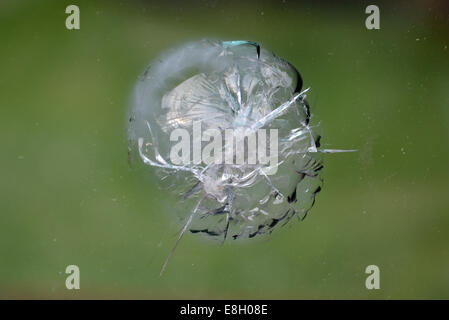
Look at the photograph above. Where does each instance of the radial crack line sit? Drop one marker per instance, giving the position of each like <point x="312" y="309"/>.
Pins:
<point x="278" y="111"/>
<point x="181" y="235"/>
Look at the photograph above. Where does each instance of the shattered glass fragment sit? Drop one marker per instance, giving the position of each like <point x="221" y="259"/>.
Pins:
<point x="229" y="85"/>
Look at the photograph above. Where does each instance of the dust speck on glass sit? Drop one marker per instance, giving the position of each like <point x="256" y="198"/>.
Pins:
<point x="228" y="85"/>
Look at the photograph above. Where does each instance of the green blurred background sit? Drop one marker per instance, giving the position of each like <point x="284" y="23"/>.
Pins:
<point x="68" y="195"/>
